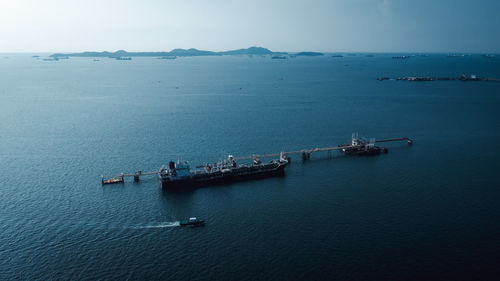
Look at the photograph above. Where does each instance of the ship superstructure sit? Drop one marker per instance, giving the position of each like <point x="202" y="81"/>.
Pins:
<point x="361" y="146"/>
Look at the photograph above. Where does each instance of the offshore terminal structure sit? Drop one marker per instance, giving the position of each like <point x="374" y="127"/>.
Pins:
<point x="180" y="174"/>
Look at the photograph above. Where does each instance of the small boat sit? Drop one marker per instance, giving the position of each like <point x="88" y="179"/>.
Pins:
<point x="192" y="222"/>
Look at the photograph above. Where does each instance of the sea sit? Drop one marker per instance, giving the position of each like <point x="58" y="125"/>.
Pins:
<point x="427" y="211"/>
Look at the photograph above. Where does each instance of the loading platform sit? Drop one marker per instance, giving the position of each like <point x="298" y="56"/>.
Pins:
<point x="305" y="153"/>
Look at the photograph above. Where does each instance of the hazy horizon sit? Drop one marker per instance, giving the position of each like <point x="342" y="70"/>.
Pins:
<point x="286" y="51"/>
<point x="372" y="26"/>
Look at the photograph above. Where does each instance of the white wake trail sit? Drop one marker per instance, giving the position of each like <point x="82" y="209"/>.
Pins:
<point x="160" y="225"/>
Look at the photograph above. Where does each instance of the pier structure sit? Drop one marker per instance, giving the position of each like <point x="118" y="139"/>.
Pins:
<point x="356" y="144"/>
<point x="306" y="153"/>
<point x="120" y="178"/>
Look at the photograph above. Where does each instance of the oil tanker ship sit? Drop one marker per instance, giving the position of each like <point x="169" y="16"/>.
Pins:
<point x="180" y="175"/>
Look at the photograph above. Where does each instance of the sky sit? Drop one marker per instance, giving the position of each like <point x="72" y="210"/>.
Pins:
<point x="216" y="25"/>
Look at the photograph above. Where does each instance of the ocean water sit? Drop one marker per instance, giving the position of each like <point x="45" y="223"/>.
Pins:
<point x="429" y="211"/>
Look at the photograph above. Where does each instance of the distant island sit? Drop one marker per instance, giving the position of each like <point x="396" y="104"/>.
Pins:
<point x="174" y="53"/>
<point x="309" y="54"/>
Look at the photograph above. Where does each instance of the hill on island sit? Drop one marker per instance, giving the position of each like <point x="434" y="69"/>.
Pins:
<point x="176" y="52"/>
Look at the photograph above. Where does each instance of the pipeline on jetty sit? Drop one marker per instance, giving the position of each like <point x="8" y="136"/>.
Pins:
<point x="120" y="178"/>
<point x="356" y="147"/>
<point x="463" y="78"/>
<point x="306" y="153"/>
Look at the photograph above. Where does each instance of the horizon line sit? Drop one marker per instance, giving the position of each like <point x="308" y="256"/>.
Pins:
<point x="329" y="52"/>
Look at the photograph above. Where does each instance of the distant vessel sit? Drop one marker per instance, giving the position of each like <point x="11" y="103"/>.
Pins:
<point x="180" y="174"/>
<point x="472" y="77"/>
<point x="337" y="56"/>
<point x="51" y="59"/>
<point x="278" y="57"/>
<point x="168" y="58"/>
<point x="489" y="56"/>
<point x="123" y="58"/>
<point x="419" y="79"/>
<point x="192" y="222"/>
<point x="400" y="57"/>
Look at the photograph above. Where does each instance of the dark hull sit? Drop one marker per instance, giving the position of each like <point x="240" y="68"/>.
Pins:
<point x="365" y="152"/>
<point x="198" y="223"/>
<point x="219" y="178"/>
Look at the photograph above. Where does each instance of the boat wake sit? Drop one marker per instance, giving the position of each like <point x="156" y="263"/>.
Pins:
<point x="160" y="225"/>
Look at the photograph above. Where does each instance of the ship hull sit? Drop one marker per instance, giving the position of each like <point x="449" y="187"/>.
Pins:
<point x="220" y="178"/>
<point x="364" y="152"/>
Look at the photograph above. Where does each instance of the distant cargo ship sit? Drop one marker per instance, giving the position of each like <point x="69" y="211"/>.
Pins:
<point x="279" y="57"/>
<point x="179" y="174"/>
<point x="123" y="58"/>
